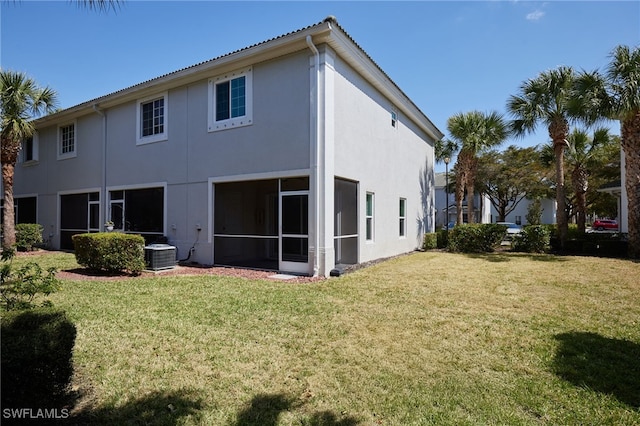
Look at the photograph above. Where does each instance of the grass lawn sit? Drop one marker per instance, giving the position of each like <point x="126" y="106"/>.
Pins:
<point x="427" y="338"/>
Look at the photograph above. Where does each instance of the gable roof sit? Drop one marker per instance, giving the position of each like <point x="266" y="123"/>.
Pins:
<point x="327" y="31"/>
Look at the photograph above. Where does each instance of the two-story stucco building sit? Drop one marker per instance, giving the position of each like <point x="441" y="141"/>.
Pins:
<point x="295" y="154"/>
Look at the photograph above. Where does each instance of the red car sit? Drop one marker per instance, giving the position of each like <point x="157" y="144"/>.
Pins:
<point x="605" y="224"/>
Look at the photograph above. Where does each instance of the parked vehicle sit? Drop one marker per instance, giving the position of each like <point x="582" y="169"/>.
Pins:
<point x="449" y="225"/>
<point x="605" y="224"/>
<point x="512" y="229"/>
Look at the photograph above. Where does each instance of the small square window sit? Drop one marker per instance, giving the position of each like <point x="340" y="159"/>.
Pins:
<point x="152" y="119"/>
<point x="394" y="119"/>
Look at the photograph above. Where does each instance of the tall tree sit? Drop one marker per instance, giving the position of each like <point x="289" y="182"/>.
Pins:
<point x="475" y="132"/>
<point x="582" y="156"/>
<point x="546" y="100"/>
<point x="617" y="96"/>
<point x="510" y="176"/>
<point x="21" y="100"/>
<point x="623" y="75"/>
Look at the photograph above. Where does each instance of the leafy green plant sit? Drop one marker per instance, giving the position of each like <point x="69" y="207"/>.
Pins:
<point x="20" y="287"/>
<point x="110" y="252"/>
<point x="443" y="238"/>
<point x="37" y="363"/>
<point x="532" y="239"/>
<point x="430" y="241"/>
<point x="476" y="238"/>
<point x="534" y="212"/>
<point x="28" y="236"/>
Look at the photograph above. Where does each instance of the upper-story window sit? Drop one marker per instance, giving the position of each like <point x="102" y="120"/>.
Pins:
<point x="30" y="149"/>
<point x="152" y="119"/>
<point x="67" y="141"/>
<point x="230" y="100"/>
<point x="394" y="119"/>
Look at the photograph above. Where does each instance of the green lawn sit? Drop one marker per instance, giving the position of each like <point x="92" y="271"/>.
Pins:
<point x="428" y="338"/>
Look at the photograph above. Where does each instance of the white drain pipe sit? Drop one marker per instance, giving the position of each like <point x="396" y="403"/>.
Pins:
<point x="315" y="133"/>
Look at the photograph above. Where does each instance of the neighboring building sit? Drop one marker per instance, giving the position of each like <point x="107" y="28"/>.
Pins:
<point x="295" y="154"/>
<point x="519" y="214"/>
<point x="485" y="211"/>
<point x="619" y="190"/>
<point x="482" y="205"/>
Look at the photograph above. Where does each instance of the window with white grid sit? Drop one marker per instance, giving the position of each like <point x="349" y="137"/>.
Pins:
<point x="152" y="119"/>
<point x="67" y="141"/>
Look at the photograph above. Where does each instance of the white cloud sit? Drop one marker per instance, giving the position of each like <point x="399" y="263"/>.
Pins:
<point x="535" y="16"/>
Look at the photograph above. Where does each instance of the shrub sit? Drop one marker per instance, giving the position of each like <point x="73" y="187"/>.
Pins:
<point x="20" y="287"/>
<point x="476" y="238"/>
<point x="28" y="236"/>
<point x="110" y="252"/>
<point x="430" y="241"/>
<point x="37" y="348"/>
<point x="533" y="239"/>
<point x="443" y="238"/>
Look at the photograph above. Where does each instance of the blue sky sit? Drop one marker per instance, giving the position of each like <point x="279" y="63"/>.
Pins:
<point x="447" y="56"/>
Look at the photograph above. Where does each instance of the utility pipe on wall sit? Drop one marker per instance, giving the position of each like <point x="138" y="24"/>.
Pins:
<point x="103" y="186"/>
<point x="315" y="133"/>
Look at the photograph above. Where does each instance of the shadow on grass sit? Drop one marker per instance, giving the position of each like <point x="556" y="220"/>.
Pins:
<point x="265" y="409"/>
<point x="609" y="366"/>
<point x="157" y="408"/>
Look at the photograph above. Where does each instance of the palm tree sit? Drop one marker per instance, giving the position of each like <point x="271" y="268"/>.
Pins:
<point x="547" y="100"/>
<point x="623" y="76"/>
<point x="582" y="153"/>
<point x="617" y="96"/>
<point x="100" y="5"/>
<point x="21" y="99"/>
<point x="475" y="132"/>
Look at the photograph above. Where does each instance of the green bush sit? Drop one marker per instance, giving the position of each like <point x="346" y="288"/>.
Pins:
<point x="476" y="238"/>
<point x="430" y="241"/>
<point x="20" y="287"/>
<point x="37" y="348"/>
<point x="443" y="238"/>
<point x="533" y="239"/>
<point x="28" y="236"/>
<point x="110" y="252"/>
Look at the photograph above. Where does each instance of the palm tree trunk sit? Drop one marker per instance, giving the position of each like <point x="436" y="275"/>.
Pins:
<point x="471" y="190"/>
<point x="580" y="185"/>
<point x="459" y="198"/>
<point x="8" y="225"/>
<point x="630" y="132"/>
<point x="471" y="208"/>
<point x="561" y="205"/>
<point x="558" y="132"/>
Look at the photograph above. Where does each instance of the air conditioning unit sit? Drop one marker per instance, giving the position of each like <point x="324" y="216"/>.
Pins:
<point x="160" y="256"/>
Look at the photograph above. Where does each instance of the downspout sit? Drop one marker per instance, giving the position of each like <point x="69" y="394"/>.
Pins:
<point x="315" y="133"/>
<point x="103" y="186"/>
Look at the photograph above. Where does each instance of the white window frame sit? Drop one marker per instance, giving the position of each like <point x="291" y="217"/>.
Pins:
<point x="70" y="154"/>
<point x="157" y="137"/>
<point x="394" y="118"/>
<point x="232" y="122"/>
<point x="402" y="218"/>
<point x="370" y="218"/>
<point x="35" y="150"/>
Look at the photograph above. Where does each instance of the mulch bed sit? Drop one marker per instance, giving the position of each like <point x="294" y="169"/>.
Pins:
<point x="184" y="270"/>
<point x="84" y="274"/>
